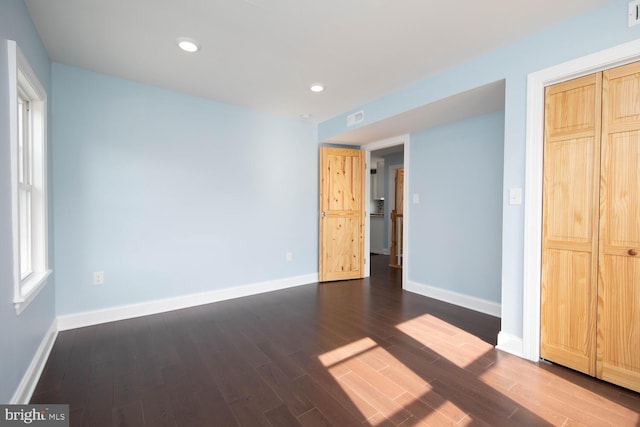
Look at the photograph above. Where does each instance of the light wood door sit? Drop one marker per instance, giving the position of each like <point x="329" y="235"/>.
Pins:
<point x="570" y="223"/>
<point x="341" y="214"/>
<point x="399" y="190"/>
<point x="618" y="349"/>
<point x="590" y="290"/>
<point x="397" y="222"/>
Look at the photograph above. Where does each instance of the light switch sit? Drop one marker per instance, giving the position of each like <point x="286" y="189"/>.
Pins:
<point x="416" y="198"/>
<point x="634" y="13"/>
<point x="515" y="196"/>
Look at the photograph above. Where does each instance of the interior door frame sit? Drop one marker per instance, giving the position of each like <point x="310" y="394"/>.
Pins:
<point x="403" y="140"/>
<point x="532" y="263"/>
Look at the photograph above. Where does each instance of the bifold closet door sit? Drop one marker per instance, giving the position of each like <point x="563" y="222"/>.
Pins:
<point x="570" y="223"/>
<point x="618" y="325"/>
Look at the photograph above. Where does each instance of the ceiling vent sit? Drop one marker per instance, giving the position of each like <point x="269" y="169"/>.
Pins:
<point x="355" y="118"/>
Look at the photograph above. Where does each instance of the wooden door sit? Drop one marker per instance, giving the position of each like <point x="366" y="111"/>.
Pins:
<point x="618" y="349"/>
<point x="397" y="222"/>
<point x="399" y="190"/>
<point x="341" y="214"/>
<point x="570" y="223"/>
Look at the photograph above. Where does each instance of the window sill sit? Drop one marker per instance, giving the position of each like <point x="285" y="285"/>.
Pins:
<point x="30" y="289"/>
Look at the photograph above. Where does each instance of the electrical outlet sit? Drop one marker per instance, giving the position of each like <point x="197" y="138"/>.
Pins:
<point x="289" y="256"/>
<point x="98" y="278"/>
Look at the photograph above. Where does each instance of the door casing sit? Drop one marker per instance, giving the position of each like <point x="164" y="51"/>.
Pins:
<point x="377" y="145"/>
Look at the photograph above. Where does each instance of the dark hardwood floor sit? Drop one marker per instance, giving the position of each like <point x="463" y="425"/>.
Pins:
<point x="361" y="352"/>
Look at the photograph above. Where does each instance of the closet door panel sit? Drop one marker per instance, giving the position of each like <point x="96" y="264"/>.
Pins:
<point x="567" y="299"/>
<point x="569" y="223"/>
<point x="618" y="345"/>
<point x="619" y="323"/>
<point x="570" y="180"/>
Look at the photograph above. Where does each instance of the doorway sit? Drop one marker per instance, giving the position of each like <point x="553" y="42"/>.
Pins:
<point x="385" y="157"/>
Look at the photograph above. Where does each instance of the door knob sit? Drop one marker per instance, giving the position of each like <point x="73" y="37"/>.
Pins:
<point x="632" y="252"/>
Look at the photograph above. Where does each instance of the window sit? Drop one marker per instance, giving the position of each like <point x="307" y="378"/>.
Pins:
<point x="28" y="178"/>
<point x="25" y="186"/>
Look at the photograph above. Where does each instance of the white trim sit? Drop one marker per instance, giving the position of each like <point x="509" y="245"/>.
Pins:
<point x="21" y="75"/>
<point x="509" y="343"/>
<point x="30" y="290"/>
<point x="29" y="74"/>
<point x="406" y="214"/>
<point x="404" y="140"/>
<point x="12" y="49"/>
<point x="367" y="218"/>
<point x="536" y="82"/>
<point x="78" y="320"/>
<point x="467" y="301"/>
<point x="386" y="143"/>
<point x="30" y="379"/>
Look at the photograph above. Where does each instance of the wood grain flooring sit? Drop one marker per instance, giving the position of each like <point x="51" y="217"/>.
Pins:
<point x="353" y="353"/>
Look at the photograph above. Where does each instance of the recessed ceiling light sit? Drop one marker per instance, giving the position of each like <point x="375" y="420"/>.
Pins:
<point x="305" y="116"/>
<point x="317" y="87"/>
<point x="188" y="45"/>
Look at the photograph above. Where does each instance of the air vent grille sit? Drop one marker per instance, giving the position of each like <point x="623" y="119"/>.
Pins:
<point x="355" y="118"/>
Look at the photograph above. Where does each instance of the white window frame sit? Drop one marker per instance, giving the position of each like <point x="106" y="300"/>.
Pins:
<point x="24" y="84"/>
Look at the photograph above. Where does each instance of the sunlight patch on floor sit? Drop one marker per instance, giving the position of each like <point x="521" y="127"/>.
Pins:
<point x="396" y="383"/>
<point x="347" y="351"/>
<point x="445" y="339"/>
<point x="380" y="386"/>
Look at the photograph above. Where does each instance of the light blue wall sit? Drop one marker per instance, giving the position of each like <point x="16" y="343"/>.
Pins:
<point x="599" y="29"/>
<point x="596" y="30"/>
<point x="20" y="335"/>
<point x="170" y="194"/>
<point x="456" y="229"/>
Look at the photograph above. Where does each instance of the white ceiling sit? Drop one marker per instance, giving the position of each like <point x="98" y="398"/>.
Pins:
<point x="264" y="54"/>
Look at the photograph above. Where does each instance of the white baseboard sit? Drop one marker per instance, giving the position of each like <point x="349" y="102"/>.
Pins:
<point x="25" y="389"/>
<point x="79" y="320"/>
<point x="466" y="301"/>
<point x="510" y="344"/>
